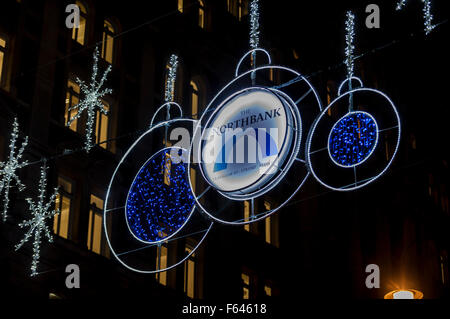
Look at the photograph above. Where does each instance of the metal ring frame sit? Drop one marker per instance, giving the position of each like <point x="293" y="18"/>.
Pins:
<point x="109" y="211"/>
<point x="362" y="183"/>
<point x="295" y="156"/>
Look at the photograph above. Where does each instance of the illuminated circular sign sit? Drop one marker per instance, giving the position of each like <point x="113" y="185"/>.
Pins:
<point x="248" y="140"/>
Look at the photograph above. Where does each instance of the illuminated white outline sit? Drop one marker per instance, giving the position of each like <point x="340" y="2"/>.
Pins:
<point x="272" y="183"/>
<point x="105" y="211"/>
<point x="168" y="104"/>
<point x="236" y="72"/>
<point x="313" y="128"/>
<point x="347" y="80"/>
<point x="234" y="195"/>
<point x="270" y="212"/>
<point x="373" y="148"/>
<point x="126" y="201"/>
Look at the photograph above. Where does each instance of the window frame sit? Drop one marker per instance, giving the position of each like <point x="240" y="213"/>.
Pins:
<point x="3" y="67"/>
<point x="67" y="113"/>
<point x="71" y="195"/>
<point x="93" y="211"/>
<point x="162" y="276"/>
<point x="186" y="280"/>
<point x="99" y="116"/>
<point x="246" y="286"/>
<point x="105" y="33"/>
<point x="83" y="15"/>
<point x="194" y="88"/>
<point x="201" y="14"/>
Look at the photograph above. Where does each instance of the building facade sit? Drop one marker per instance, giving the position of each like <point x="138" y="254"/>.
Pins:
<point x="321" y="240"/>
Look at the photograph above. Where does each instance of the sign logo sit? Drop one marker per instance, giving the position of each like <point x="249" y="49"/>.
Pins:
<point x="247" y="141"/>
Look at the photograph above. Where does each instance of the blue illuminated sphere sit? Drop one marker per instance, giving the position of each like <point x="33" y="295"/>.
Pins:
<point x="353" y="139"/>
<point x="160" y="200"/>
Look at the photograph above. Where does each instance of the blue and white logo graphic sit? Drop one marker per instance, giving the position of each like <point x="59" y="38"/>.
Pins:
<point x="247" y="141"/>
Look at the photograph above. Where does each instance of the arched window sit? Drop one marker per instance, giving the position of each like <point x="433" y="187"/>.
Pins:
<point x="79" y="34"/>
<point x="201" y="14"/>
<point x="194" y="100"/>
<point x="108" y="41"/>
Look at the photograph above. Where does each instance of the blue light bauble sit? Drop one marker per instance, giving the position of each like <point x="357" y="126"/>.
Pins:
<point x="160" y="200"/>
<point x="353" y="139"/>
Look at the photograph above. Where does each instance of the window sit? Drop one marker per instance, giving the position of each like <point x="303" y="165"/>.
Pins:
<point x="61" y="222"/>
<point x="193" y="178"/>
<point x="3" y="48"/>
<point x="268" y="225"/>
<point x="238" y="8"/>
<point x="201" y="14"/>
<point x="72" y="99"/>
<point x="161" y="263"/>
<point x="101" y="128"/>
<point x="79" y="34"/>
<point x="245" y="278"/>
<point x="95" y="228"/>
<point x="194" y="100"/>
<point x="166" y="169"/>
<point x="189" y="273"/>
<point x="329" y="97"/>
<point x="267" y="290"/>
<point x="108" y="41"/>
<point x="247" y="215"/>
<point x="271" y="235"/>
<point x="180" y="6"/>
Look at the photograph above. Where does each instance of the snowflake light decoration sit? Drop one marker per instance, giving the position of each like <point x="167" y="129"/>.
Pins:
<point x="427" y="16"/>
<point x="40" y="211"/>
<point x="8" y="169"/>
<point x="91" y="101"/>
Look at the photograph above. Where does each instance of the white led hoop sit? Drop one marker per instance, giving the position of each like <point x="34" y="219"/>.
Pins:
<point x="108" y="211"/>
<point x="272" y="211"/>
<point x="348" y="80"/>
<point x="371" y="151"/>
<point x="236" y="73"/>
<point x="314" y="126"/>
<point x="126" y="201"/>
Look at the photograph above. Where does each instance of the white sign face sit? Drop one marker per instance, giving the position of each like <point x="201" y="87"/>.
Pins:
<point x="246" y="140"/>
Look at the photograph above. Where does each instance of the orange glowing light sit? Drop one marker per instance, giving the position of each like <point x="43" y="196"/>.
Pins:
<point x="404" y="294"/>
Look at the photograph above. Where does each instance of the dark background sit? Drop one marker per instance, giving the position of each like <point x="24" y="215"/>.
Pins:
<point x="326" y="239"/>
